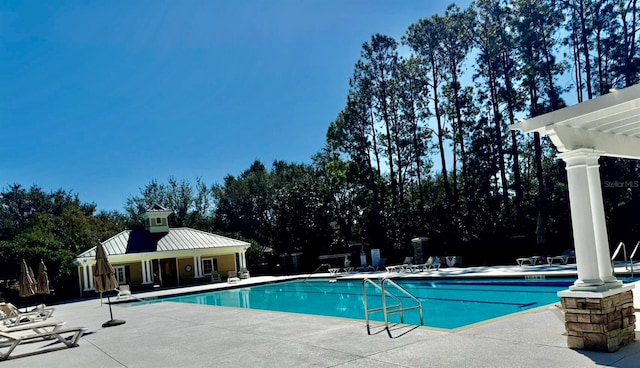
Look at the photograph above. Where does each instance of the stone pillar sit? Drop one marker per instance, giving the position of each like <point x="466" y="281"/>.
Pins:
<point x="599" y="321"/>
<point x="582" y="220"/>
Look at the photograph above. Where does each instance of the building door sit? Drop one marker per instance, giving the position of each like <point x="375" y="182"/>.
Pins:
<point x="168" y="272"/>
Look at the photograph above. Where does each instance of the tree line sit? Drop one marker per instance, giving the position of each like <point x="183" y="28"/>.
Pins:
<point x="422" y="148"/>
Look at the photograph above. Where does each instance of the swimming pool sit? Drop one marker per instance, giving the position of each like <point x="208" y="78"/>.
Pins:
<point x="447" y="303"/>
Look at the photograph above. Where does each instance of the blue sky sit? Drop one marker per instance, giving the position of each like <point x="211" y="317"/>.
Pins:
<point x="100" y="98"/>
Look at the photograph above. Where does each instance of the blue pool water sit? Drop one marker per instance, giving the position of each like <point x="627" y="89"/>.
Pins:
<point x="447" y="303"/>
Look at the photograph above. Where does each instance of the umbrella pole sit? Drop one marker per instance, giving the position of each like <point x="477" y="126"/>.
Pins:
<point x="112" y="322"/>
<point x="110" y="311"/>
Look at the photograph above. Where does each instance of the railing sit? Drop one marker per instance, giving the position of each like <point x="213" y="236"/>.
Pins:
<point x="635" y="249"/>
<point x="628" y="262"/>
<point x="327" y="265"/>
<point x="388" y="309"/>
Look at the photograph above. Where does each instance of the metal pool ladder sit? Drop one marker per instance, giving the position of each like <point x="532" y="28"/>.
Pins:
<point x="388" y="309"/>
<point x="628" y="262"/>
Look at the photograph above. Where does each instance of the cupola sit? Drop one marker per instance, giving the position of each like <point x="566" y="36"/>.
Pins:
<point x="156" y="219"/>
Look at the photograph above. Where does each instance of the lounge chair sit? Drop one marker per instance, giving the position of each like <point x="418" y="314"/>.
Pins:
<point x="380" y="265"/>
<point x="432" y="263"/>
<point x="232" y="277"/>
<point x="347" y="266"/>
<point x="405" y="266"/>
<point x="124" y="291"/>
<point x="12" y="316"/>
<point x="564" y="257"/>
<point x="244" y="273"/>
<point x="451" y="260"/>
<point x="10" y="340"/>
<point x="215" y="276"/>
<point x="36" y="327"/>
<point x="532" y="260"/>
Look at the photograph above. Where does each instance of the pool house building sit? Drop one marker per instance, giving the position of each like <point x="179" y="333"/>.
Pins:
<point x="161" y="256"/>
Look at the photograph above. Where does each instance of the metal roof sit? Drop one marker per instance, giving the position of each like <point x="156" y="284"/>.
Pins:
<point x="141" y="241"/>
<point x="609" y="124"/>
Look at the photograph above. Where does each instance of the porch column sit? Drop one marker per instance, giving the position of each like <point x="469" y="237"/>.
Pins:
<point x="146" y="271"/>
<point x="599" y="223"/>
<point x="90" y="274"/>
<point x="85" y="277"/>
<point x="582" y="220"/>
<point x="242" y="260"/>
<point x="197" y="266"/>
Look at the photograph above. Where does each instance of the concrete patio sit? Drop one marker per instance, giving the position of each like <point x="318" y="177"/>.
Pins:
<point x="189" y="335"/>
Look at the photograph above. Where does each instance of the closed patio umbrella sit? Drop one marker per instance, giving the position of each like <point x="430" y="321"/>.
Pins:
<point x="26" y="282"/>
<point x="42" y="281"/>
<point x="105" y="281"/>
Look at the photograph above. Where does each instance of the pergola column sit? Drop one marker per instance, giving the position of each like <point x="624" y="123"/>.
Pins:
<point x="582" y="192"/>
<point x="599" y="223"/>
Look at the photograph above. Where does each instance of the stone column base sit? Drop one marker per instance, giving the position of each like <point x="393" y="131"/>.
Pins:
<point x="599" y="321"/>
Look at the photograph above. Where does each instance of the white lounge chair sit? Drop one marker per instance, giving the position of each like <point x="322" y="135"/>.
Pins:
<point x="12" y="316"/>
<point x="10" y="340"/>
<point x="215" y="276"/>
<point x="405" y="266"/>
<point x="232" y="277"/>
<point x="124" y="291"/>
<point x="563" y="258"/>
<point x="432" y="263"/>
<point x="531" y="260"/>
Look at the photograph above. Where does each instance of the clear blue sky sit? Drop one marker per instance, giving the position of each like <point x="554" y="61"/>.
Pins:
<point x="100" y="98"/>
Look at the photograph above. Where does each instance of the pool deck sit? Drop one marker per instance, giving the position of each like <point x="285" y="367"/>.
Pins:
<point x="190" y="335"/>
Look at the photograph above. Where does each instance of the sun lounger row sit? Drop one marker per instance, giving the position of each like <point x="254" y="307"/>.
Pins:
<point x="564" y="258"/>
<point x="26" y="328"/>
<point x="432" y="263"/>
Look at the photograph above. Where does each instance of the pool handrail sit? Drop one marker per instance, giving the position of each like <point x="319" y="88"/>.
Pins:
<point x="386" y="310"/>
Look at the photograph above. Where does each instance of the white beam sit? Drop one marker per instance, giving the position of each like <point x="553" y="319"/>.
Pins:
<point x="614" y="145"/>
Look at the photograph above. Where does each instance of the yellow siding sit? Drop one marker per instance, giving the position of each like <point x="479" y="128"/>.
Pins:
<point x="226" y="263"/>
<point x="186" y="276"/>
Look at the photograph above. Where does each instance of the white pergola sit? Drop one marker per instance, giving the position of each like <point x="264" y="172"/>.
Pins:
<point x="605" y="126"/>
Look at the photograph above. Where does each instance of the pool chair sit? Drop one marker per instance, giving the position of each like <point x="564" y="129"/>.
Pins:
<point x="451" y="260"/>
<point x="215" y="276"/>
<point x="12" y="316"/>
<point x="406" y="265"/>
<point x="11" y="339"/>
<point x="232" y="277"/>
<point x="534" y="260"/>
<point x="564" y="257"/>
<point x="243" y="273"/>
<point x="123" y="291"/>
<point x="432" y="263"/>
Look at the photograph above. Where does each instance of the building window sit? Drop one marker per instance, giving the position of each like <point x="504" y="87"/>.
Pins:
<point x="120" y="274"/>
<point x="158" y="221"/>
<point x="209" y="265"/>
